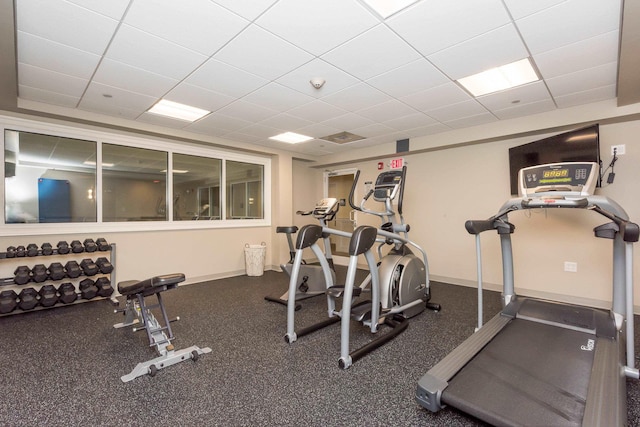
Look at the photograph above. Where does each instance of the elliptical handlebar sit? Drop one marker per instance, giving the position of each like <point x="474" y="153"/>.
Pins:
<point x="353" y="190"/>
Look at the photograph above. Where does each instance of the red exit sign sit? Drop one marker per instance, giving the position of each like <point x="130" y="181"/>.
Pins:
<point x="397" y="163"/>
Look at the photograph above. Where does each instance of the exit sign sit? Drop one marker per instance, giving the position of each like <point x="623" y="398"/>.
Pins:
<point x="397" y="163"/>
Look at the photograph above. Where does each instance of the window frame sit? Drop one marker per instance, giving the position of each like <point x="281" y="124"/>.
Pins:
<point x="159" y="143"/>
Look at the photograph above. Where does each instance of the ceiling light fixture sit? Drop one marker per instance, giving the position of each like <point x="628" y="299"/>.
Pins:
<point x="291" y="138"/>
<point x="178" y="111"/>
<point x="386" y="8"/>
<point x="175" y="171"/>
<point x="500" y="78"/>
<point x="104" y="165"/>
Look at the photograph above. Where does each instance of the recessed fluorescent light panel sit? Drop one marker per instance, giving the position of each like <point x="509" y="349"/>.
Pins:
<point x="291" y="138"/>
<point x="500" y="78"/>
<point x="386" y="8"/>
<point x="90" y="163"/>
<point x="178" y="111"/>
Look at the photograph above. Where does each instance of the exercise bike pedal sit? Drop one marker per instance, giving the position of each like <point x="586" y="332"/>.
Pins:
<point x="338" y="291"/>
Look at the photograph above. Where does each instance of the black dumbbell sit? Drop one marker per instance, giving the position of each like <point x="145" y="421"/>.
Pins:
<point x="102" y="244"/>
<point x="48" y="295"/>
<point x="104" y="265"/>
<point x="32" y="249"/>
<point x="72" y="269"/>
<point x="89" y="267"/>
<point x="63" y="247"/>
<point x="39" y="273"/>
<point x="28" y="299"/>
<point x="46" y="249"/>
<point x="104" y="287"/>
<point x="56" y="271"/>
<point x="11" y="252"/>
<point x="8" y="301"/>
<point x="67" y="293"/>
<point x="76" y="247"/>
<point x="90" y="245"/>
<point x="88" y="289"/>
<point x="22" y="275"/>
<point x="21" y="251"/>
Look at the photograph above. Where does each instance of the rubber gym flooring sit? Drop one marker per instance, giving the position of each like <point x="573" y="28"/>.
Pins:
<point x="62" y="367"/>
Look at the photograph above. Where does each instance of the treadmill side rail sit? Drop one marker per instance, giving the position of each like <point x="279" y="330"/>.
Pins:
<point x="433" y="383"/>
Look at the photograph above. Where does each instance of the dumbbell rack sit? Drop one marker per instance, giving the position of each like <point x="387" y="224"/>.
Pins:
<point x="9" y="282"/>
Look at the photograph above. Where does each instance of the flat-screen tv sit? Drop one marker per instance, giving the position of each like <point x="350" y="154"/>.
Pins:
<point x="580" y="145"/>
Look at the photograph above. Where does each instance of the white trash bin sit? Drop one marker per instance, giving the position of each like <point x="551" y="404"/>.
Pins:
<point x="254" y="256"/>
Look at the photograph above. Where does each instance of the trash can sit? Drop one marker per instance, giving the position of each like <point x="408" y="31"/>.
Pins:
<point x="254" y="256"/>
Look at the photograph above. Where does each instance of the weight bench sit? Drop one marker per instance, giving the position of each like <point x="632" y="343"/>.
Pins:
<point x="138" y="312"/>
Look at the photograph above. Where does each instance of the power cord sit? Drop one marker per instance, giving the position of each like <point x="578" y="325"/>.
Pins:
<point x="612" y="174"/>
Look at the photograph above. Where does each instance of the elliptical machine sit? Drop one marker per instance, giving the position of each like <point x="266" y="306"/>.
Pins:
<point x="399" y="283"/>
<point x="312" y="283"/>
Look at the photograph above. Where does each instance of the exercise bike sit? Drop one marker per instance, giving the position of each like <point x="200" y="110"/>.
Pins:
<point x="399" y="282"/>
<point x="312" y="281"/>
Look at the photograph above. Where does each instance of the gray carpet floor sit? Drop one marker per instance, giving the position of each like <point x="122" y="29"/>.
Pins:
<point x="62" y="367"/>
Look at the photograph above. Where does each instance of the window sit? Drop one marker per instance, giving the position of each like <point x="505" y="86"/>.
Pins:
<point x="196" y="188"/>
<point x="244" y="190"/>
<point x="134" y="184"/>
<point x="48" y="179"/>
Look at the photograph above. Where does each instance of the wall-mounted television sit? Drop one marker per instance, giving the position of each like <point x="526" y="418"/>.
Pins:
<point x="580" y="145"/>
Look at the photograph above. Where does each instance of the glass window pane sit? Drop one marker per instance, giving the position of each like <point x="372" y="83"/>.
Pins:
<point x="244" y="190"/>
<point x="196" y="187"/>
<point x="49" y="178"/>
<point x="134" y="184"/>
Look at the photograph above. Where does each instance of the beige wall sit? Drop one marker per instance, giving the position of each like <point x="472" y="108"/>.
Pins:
<point x="449" y="186"/>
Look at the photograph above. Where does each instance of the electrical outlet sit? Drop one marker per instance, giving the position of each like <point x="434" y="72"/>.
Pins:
<point x="571" y="266"/>
<point x="620" y="149"/>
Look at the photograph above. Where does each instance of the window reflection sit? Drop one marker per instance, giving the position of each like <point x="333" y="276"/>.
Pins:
<point x="196" y="187"/>
<point x="244" y="190"/>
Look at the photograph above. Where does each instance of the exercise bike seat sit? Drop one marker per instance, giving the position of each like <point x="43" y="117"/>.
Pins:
<point x="150" y="286"/>
<point x="292" y="229"/>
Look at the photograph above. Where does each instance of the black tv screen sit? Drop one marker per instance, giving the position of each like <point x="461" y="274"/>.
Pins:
<point x="581" y="145"/>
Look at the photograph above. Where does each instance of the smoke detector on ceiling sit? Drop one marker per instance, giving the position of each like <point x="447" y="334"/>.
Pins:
<point x="317" y="82"/>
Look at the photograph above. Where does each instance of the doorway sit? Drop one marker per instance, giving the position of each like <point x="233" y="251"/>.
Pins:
<point x="337" y="184"/>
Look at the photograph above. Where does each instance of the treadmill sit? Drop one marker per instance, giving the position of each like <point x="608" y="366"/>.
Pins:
<point x="540" y="362"/>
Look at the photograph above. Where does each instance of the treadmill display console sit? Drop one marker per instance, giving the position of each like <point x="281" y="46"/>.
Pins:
<point x="566" y="178"/>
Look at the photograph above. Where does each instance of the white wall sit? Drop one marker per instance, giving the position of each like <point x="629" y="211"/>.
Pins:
<point x="449" y="186"/>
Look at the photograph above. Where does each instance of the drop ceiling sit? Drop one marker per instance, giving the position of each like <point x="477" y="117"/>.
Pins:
<point x="250" y="63"/>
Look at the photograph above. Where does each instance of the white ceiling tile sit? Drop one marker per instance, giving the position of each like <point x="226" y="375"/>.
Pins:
<point x="113" y="8"/>
<point x="335" y="79"/>
<point x="525" y="94"/>
<point x="587" y="96"/>
<point x="247" y="9"/>
<point x="589" y="53"/>
<point x="218" y="124"/>
<point x="162" y="121"/>
<point x="362" y="55"/>
<point x="223" y="78"/>
<point x="348" y="121"/>
<point x="410" y="78"/>
<point x="198" y="97"/>
<point x="434" y="25"/>
<point x="356" y="97"/>
<point x="318" y="130"/>
<point x="317" y="111"/>
<point x="374" y="129"/>
<point x="51" y="81"/>
<point x="277" y="97"/>
<point x="259" y="130"/>
<point x="119" y="98"/>
<point x="426" y="130"/>
<point x="584" y="80"/>
<point x="520" y="9"/>
<point x="242" y="137"/>
<point x="568" y="22"/>
<point x="478" y="119"/>
<point x="132" y="79"/>
<point x="57" y="57"/>
<point x="494" y="48"/>
<point x="97" y="106"/>
<point x="439" y="96"/>
<point x="386" y="111"/>
<point x="40" y="95"/>
<point x="199" y="25"/>
<point x="521" y="110"/>
<point x="457" y="111"/>
<point x="65" y="23"/>
<point x="247" y="111"/>
<point x="151" y="53"/>
<point x="260" y="52"/>
<point x="410" y="121"/>
<point x="317" y="26"/>
<point x="285" y="122"/>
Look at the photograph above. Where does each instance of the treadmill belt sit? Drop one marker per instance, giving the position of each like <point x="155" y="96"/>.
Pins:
<point x="530" y="374"/>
